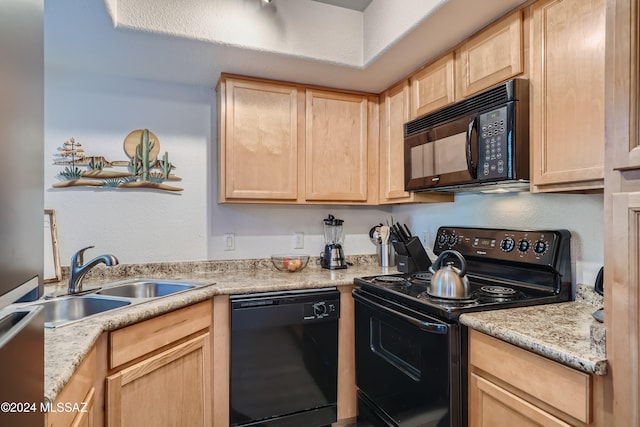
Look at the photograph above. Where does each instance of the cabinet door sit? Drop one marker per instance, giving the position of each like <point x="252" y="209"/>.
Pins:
<point x="567" y="80"/>
<point x="169" y="389"/>
<point x="432" y="87"/>
<point x="492" y="56"/>
<point x="80" y="391"/>
<point x="258" y="141"/>
<point x="622" y="305"/>
<point x="336" y="146"/>
<point x="394" y="114"/>
<point x="624" y="58"/>
<point x="86" y="417"/>
<point x="492" y="406"/>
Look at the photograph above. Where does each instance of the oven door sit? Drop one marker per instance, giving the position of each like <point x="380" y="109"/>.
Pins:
<point x="408" y="365"/>
<point x="441" y="156"/>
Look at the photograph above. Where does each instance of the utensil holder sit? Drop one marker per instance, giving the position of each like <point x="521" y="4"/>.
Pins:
<point x="406" y="264"/>
<point x="411" y="256"/>
<point x="386" y="255"/>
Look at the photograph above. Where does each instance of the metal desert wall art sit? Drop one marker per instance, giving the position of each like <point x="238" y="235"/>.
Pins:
<point x="143" y="169"/>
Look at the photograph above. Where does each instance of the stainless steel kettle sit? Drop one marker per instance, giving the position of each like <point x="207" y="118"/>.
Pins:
<point x="449" y="281"/>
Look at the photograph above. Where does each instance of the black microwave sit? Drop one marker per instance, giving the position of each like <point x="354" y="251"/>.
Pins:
<point x="479" y="143"/>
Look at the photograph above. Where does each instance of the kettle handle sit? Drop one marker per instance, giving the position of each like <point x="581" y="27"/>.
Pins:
<point x="445" y="254"/>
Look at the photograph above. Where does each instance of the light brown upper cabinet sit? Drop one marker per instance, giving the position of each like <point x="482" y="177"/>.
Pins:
<point x="283" y="142"/>
<point x="394" y="113"/>
<point x="567" y="107"/>
<point x="625" y="59"/>
<point x="432" y="87"/>
<point x="490" y="57"/>
<point x="258" y="141"/>
<point x="336" y="146"/>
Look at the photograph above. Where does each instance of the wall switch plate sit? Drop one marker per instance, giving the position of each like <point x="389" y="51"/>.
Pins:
<point x="229" y="242"/>
<point x="298" y="240"/>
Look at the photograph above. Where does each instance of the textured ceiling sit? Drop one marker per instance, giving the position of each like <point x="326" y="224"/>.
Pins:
<point x="82" y="37"/>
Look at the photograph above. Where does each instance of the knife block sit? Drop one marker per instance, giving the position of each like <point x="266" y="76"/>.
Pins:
<point x="411" y="256"/>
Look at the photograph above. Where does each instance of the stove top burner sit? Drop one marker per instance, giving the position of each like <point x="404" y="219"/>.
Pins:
<point x="395" y="283"/>
<point x="448" y="302"/>
<point x="498" y="294"/>
<point x="389" y="279"/>
<point x="499" y="291"/>
<point x="423" y="276"/>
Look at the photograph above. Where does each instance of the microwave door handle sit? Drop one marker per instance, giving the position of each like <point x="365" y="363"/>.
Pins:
<point x="468" y="151"/>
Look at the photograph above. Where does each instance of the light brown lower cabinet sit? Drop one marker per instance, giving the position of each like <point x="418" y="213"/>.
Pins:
<point x="74" y="405"/>
<point x="164" y="372"/>
<point x="510" y="386"/>
<point x="160" y="372"/>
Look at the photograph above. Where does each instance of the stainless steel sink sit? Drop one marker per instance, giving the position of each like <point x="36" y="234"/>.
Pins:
<point x="69" y="309"/>
<point x="65" y="309"/>
<point x="145" y="289"/>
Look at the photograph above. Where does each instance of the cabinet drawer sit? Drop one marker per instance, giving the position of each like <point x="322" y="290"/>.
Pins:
<point x="571" y="392"/>
<point x="129" y="343"/>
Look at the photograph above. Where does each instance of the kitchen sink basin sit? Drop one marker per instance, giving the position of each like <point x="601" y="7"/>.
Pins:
<point x="145" y="289"/>
<point x="66" y="310"/>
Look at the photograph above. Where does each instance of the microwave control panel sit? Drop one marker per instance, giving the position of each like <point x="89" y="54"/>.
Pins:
<point x="493" y="144"/>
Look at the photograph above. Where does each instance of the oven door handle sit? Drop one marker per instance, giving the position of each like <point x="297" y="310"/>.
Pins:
<point x="435" y="328"/>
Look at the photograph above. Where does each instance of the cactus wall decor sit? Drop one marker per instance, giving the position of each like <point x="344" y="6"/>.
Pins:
<point x="142" y="170"/>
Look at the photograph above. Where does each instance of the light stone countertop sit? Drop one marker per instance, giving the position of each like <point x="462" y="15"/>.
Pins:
<point x="564" y="332"/>
<point x="66" y="346"/>
<point x="564" y="339"/>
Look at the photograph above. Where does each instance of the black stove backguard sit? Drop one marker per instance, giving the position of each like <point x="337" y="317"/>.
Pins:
<point x="539" y="261"/>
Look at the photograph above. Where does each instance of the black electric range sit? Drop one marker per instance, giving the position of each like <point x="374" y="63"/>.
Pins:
<point x="410" y="349"/>
<point x="506" y="268"/>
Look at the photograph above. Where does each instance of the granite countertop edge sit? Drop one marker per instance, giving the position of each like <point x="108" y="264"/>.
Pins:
<point x="539" y="329"/>
<point x="67" y="346"/>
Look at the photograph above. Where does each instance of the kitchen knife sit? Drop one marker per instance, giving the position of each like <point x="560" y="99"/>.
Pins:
<point x="405" y="237"/>
<point x="399" y="233"/>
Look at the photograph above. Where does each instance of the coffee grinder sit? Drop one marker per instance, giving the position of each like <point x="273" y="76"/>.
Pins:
<point x="333" y="257"/>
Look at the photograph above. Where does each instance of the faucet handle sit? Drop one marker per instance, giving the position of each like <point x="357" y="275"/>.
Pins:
<point x="77" y="259"/>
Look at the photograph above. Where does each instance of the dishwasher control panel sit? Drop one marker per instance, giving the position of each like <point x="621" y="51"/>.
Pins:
<point x="321" y="310"/>
<point x="272" y="309"/>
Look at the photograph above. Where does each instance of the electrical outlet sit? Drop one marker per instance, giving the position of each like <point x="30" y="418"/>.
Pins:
<point x="229" y="242"/>
<point x="298" y="240"/>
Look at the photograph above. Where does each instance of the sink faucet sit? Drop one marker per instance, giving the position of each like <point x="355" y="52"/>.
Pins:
<point x="78" y="271"/>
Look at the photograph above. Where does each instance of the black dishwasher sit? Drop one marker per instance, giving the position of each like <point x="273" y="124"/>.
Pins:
<point x="284" y="358"/>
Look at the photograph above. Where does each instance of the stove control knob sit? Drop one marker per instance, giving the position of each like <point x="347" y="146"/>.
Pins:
<point x="453" y="240"/>
<point x="320" y="309"/>
<point x="524" y="245"/>
<point x="442" y="239"/>
<point x="540" y="247"/>
<point x="507" y="244"/>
